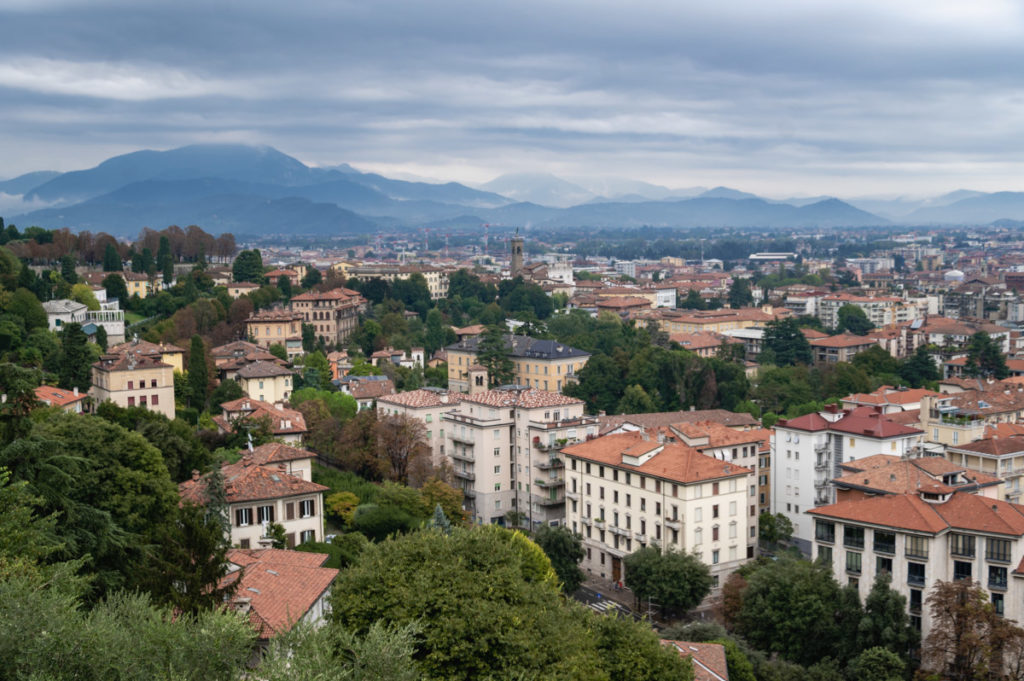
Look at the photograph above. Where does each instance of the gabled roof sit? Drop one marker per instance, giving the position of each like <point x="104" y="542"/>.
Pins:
<point x="866" y="421"/>
<point x="128" y="361"/>
<point x="366" y="390"/>
<point x="994" y="446"/>
<point x="57" y="396"/>
<point x="521" y="396"/>
<point x="812" y="422"/>
<point x="276" y="452"/>
<point x="246" y="480"/>
<point x="422" y="398"/>
<point x="279" y="586"/>
<point x="144" y="347"/>
<point x="524" y="347"/>
<point x="668" y="418"/>
<point x="261" y="369"/>
<point x="63" y="306"/>
<point x="962" y="511"/>
<point x="844" y="340"/>
<point x="283" y="421"/>
<point x="708" y="659"/>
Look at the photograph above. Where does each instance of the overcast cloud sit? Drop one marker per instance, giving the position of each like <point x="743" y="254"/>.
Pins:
<point x="776" y="97"/>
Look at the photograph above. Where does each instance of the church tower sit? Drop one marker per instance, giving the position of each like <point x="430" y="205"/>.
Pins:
<point x="516" y="265"/>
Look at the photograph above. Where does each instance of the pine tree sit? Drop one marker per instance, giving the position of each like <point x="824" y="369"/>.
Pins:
<point x="111" y="260"/>
<point x="493" y="353"/>
<point x="75" y="358"/>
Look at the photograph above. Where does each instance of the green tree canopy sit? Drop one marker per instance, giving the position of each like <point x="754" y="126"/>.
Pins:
<point x="785" y="344"/>
<point x="853" y="319"/>
<point x="674" y="580"/>
<point x="739" y="293"/>
<point x="76" y="358"/>
<point x="985" y="358"/>
<point x="248" y="266"/>
<point x="564" y="548"/>
<point x="493" y="354"/>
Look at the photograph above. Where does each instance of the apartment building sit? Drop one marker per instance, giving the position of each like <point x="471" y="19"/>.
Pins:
<point x="841" y="348"/>
<point x="503" y="445"/>
<point x="958" y="418"/>
<point x="705" y="321"/>
<point x="333" y="314"/>
<point x="808" y="451"/>
<point x="437" y="278"/>
<point x="261" y="494"/>
<point x="889" y="399"/>
<point x="631" y="490"/>
<point x="276" y="326"/>
<point x="427" y="405"/>
<point x="996" y="456"/>
<point x="134" y="380"/>
<point x="540" y="364"/>
<point x="921" y="538"/>
<point x="165" y="352"/>
<point x="880" y="310"/>
<point x="885" y="474"/>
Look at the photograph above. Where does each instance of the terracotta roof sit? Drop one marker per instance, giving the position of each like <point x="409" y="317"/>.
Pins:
<point x="57" y="396"/>
<point x="813" y="422"/>
<point x="246" y="480"/>
<point x="1004" y="429"/>
<point x="675" y="462"/>
<point x="423" y="398"/>
<point x="471" y="330"/>
<point x="236" y="348"/>
<point x="866" y="421"/>
<point x="889" y="395"/>
<point x="128" y="361"/>
<point x="623" y="302"/>
<point x="283" y="421"/>
<point x="261" y="369"/>
<point x="243" y="284"/>
<point x="995" y="446"/>
<point x="709" y="663"/>
<point x="843" y="340"/>
<point x="273" y="315"/>
<point x="962" y="511"/>
<point x="281" y="586"/>
<point x="276" y="452"/>
<point x="365" y="390"/>
<point x="668" y="418"/>
<point x="813" y="334"/>
<point x="719" y="435"/>
<point x="909" y="417"/>
<point x="701" y="340"/>
<point x="339" y="294"/>
<point x="144" y="347"/>
<point x="527" y="398"/>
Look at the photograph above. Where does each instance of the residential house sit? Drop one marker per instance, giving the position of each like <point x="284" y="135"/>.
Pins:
<point x="334" y="314"/>
<point x="266" y="381"/>
<point x="366" y="389"/>
<point x="164" y="352"/>
<point x="708" y="659"/>
<point x="623" y="423"/>
<point x="887" y="474"/>
<point x="889" y="399"/>
<point x="70" y="401"/>
<point x="841" y="348"/>
<point x="288" y="425"/>
<point x="704" y="344"/>
<point x="276" y="326"/>
<point x="994" y="456"/>
<point x="134" y="380"/>
<point x="238" y="289"/>
<point x="278" y="589"/>
<point x="230" y="358"/>
<point x="921" y="538"/>
<point x="541" y="364"/>
<point x="958" y="418"/>
<point x="631" y="490"/>
<point x="59" y="313"/>
<point x="259" y="495"/>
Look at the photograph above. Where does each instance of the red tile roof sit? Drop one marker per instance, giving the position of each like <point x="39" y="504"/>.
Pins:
<point x="709" y="663"/>
<point x="57" y="396"/>
<point x="282" y="420"/>
<point x="812" y="422"/>
<point x="844" y="340"/>
<point x="281" y="586"/>
<point x="866" y="421"/>
<point x="128" y="361"/>
<point x="276" y="452"/>
<point x="366" y="390"/>
<point x="248" y="481"/>
<point x="675" y="462"/>
<point x="527" y="398"/>
<point x="962" y="511"/>
<point x="420" y="399"/>
<point x="661" y="419"/>
<point x="889" y="395"/>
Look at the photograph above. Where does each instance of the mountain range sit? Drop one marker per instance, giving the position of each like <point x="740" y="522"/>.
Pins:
<point x="258" y="190"/>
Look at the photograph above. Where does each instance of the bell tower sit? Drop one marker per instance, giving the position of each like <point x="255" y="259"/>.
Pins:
<point x="516" y="263"/>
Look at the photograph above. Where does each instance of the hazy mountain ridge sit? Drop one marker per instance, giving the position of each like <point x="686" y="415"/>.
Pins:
<point x="223" y="187"/>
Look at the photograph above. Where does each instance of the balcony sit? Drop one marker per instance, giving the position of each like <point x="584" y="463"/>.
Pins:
<point x="456" y="436"/>
<point x="821" y="465"/>
<point x="821" y="450"/>
<point x="915" y="580"/>
<point x="586" y="521"/>
<point x="469" y="492"/>
<point x="465" y="475"/>
<point x="547" y="483"/>
<point x="459" y="456"/>
<point x="996" y="583"/>
<point x="548" y="501"/>
<point x="573" y="495"/>
<point x="551" y="464"/>
<point x="674" y="523"/>
<point x="640" y="537"/>
<point x="619" y="531"/>
<point x="599" y="522"/>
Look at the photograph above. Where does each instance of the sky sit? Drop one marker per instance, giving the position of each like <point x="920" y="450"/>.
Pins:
<point x="778" y="97"/>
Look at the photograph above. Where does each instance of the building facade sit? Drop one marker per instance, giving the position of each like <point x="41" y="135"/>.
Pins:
<point x="276" y="327"/>
<point x="540" y="364"/>
<point x="134" y="380"/>
<point x="429" y="406"/>
<point x="333" y="314"/>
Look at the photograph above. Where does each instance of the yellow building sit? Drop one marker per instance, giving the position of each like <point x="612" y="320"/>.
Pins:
<point x="276" y="327"/>
<point x="134" y="380"/>
<point x="543" y="364"/>
<point x="138" y="284"/>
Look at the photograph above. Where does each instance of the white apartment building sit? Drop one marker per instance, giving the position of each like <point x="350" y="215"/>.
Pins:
<point x="504" y="447"/>
<point x="880" y="310"/>
<point x="631" y="490"/>
<point x="807" y="453"/>
<point x="429" y="406"/>
<point x="922" y="538"/>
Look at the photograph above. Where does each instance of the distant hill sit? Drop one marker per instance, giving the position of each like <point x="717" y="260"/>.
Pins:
<point x="727" y="193"/>
<point x="25" y="183"/>
<point x="975" y="210"/>
<point x="540" y="188"/>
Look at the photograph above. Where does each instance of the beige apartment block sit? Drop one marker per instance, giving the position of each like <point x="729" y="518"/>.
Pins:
<point x="134" y="380"/>
<point x="333" y="314"/>
<point x="437" y="278"/>
<point x="429" y="406"/>
<point x="276" y="327"/>
<point x="540" y="364"/>
<point x="631" y="490"/>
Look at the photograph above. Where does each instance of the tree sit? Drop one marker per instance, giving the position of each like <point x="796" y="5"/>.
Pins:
<point x="342" y="505"/>
<point x="693" y="301"/>
<point x="967" y="636"/>
<point x="101" y="338"/>
<point x="789" y="607"/>
<point x="75" y="358"/>
<point x="739" y="293"/>
<point x="486" y="600"/>
<point x="600" y="384"/>
<point x="877" y="664"/>
<point x="493" y="354"/>
<point x="985" y="358"/>
<point x="279" y="351"/>
<point x="82" y="293"/>
<point x="312" y="278"/>
<point x="248" y="266"/>
<point x="198" y="377"/>
<point x="774" y="528"/>
<point x="919" y="368"/>
<point x="227" y="391"/>
<point x="674" y="580"/>
<point x="401" y="442"/>
<point x="853" y="319"/>
<point x="565" y="550"/>
<point x="24" y="304"/>
<point x="116" y="288"/>
<point x="111" y="259"/>
<point x="438" y="493"/>
<point x="316" y="371"/>
<point x="186" y="572"/>
<point x="635" y="400"/>
<point x="885" y="622"/>
<point x="284" y="285"/>
<point x="785" y="344"/>
<point x="67" y="269"/>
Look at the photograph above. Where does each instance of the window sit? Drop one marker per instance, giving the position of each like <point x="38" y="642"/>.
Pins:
<point x="996" y="577"/>
<point x="853" y="562"/>
<point x="698" y="536"/>
<point x="883" y="564"/>
<point x="732" y="508"/>
<point x="698" y="514"/>
<point x="265" y="514"/>
<point x="885" y="542"/>
<point x="615" y="496"/>
<point x="997" y="604"/>
<point x="714" y="488"/>
<point x="915" y="600"/>
<point x="643" y="503"/>
<point x="497" y="487"/>
<point x="600" y="492"/>
<point x="961" y="570"/>
<point x="154" y="400"/>
<point x="306" y="508"/>
<point x="915" y="573"/>
<point x="131" y="385"/>
<point x="657" y="508"/>
<point x="825" y="554"/>
<point x="497" y="469"/>
<point x="243" y="544"/>
<point x="714" y="511"/>
<point x="628" y="501"/>
<point x="853" y="537"/>
<point x="615" y="474"/>
<point x="714" y="557"/>
<point x="243" y="517"/>
<point x="997" y="550"/>
<point x="917" y="546"/>
<point x="131" y="401"/>
<point x="497" y="434"/>
<point x="152" y="383"/>
<point x="307" y="535"/>
<point x="497" y="451"/>
<point x="714" y="533"/>
<point x="962" y="545"/>
<point x="732" y="530"/>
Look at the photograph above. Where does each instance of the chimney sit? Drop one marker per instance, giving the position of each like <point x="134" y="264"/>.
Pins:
<point x="195" y="474"/>
<point x="76" y="390"/>
<point x="243" y="604"/>
<point x="247" y="459"/>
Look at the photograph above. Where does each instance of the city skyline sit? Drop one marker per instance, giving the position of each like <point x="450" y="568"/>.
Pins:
<point x="787" y="99"/>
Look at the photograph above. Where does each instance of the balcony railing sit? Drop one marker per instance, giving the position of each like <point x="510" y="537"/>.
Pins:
<point x="640" y="536"/>
<point x="548" y="501"/>
<point x="461" y="456"/>
<point x="885" y="547"/>
<point x="465" y="475"/>
<point x="459" y="437"/>
<point x="599" y="522"/>
<point x="585" y="520"/>
<point x="997" y="583"/>
<point x="548" y="483"/>
<point x="915" y="580"/>
<point x="469" y="492"/>
<point x="674" y="523"/>
<point x="550" y="464"/>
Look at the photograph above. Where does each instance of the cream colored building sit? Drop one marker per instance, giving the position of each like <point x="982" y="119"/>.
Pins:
<point x="276" y="327"/>
<point x="333" y="314"/>
<point x="540" y="364"/>
<point x="240" y="288"/>
<point x="259" y="495"/>
<point x="959" y="418"/>
<point x="503" y="445"/>
<point x="134" y="380"/>
<point x="429" y="406"/>
<point x="631" y="490"/>
<point x="437" y="278"/>
<point x="165" y="352"/>
<point x="266" y="381"/>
